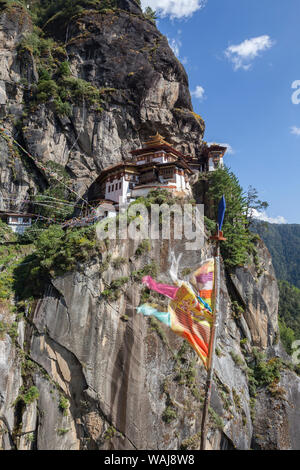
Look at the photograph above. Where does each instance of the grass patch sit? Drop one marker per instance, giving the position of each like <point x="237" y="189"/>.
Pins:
<point x="62" y="431"/>
<point x="110" y="433"/>
<point x="144" y="247"/>
<point x="217" y="419"/>
<point x="64" y="405"/>
<point x="118" y="262"/>
<point x="238" y="360"/>
<point x="192" y="443"/>
<point x="29" y="396"/>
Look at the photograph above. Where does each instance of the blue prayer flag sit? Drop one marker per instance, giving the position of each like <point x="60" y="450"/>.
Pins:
<point x="148" y="310"/>
<point x="221" y="212"/>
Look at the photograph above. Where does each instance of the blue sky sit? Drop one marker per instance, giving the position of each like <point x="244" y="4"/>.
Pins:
<point x="242" y="57"/>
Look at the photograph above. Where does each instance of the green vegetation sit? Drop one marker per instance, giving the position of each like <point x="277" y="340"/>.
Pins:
<point x="118" y="262"/>
<point x="29" y="396"/>
<point x="150" y="14"/>
<point x="192" y="443"/>
<point x="283" y="242"/>
<point x="55" y="80"/>
<point x="289" y="314"/>
<point x="11" y="3"/>
<point x="62" y="431"/>
<point x="238" y="360"/>
<point x="109" y="433"/>
<point x="151" y="269"/>
<point x="169" y="415"/>
<point x="8" y="328"/>
<point x="240" y="244"/>
<point x="64" y="405"/>
<point x="263" y="373"/>
<point x="42" y="11"/>
<point x="56" y="202"/>
<point x="186" y="370"/>
<point x="30" y="437"/>
<point x="12" y="257"/>
<point x="114" y="290"/>
<point x="143" y="248"/>
<point x="62" y="11"/>
<point x="225" y="395"/>
<point x="157" y="196"/>
<point x="287" y="336"/>
<point x="155" y="325"/>
<point x="237" y="310"/>
<point x="56" y="251"/>
<point x="217" y="419"/>
<point x="124" y="318"/>
<point x="236" y="399"/>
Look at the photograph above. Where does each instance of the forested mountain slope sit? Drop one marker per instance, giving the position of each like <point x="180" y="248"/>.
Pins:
<point x="283" y="242"/>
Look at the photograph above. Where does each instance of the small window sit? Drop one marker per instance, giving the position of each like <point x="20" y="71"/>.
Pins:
<point x="109" y="189"/>
<point x="120" y="185"/>
<point x="112" y="187"/>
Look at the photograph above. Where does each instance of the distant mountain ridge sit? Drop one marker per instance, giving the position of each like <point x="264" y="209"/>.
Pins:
<point x="283" y="242"/>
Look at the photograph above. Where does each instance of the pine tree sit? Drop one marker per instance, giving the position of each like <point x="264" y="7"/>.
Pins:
<point x="237" y="248"/>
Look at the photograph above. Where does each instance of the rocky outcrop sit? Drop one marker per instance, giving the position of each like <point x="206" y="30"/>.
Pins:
<point x="144" y="90"/>
<point x="260" y="296"/>
<point x="100" y="375"/>
<point x="276" y="424"/>
<point x="133" y="384"/>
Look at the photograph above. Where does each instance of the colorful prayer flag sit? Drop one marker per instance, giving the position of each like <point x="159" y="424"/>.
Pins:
<point x="203" y="280"/>
<point x="164" y="289"/>
<point x="189" y="315"/>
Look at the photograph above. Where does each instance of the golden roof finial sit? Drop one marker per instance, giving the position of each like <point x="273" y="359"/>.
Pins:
<point x="156" y="140"/>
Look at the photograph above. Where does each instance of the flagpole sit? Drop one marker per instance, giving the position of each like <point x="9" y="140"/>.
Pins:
<point x="212" y="344"/>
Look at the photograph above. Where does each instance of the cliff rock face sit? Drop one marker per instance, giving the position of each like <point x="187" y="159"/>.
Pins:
<point x="131" y="383"/>
<point x="106" y="377"/>
<point x="145" y="90"/>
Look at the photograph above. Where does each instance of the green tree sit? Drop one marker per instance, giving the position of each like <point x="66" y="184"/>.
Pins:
<point x="287" y="336"/>
<point x="253" y="204"/>
<point x="289" y="312"/>
<point x="239" y="244"/>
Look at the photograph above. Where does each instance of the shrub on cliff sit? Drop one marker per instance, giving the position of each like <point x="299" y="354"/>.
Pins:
<point x="56" y="252"/>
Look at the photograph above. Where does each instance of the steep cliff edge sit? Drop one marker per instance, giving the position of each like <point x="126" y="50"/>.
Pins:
<point x="79" y="369"/>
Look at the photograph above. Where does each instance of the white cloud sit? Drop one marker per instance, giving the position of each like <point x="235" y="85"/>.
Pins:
<point x="174" y="8"/>
<point x="265" y="218"/>
<point x="198" y="92"/>
<point x="243" y="54"/>
<point x="175" y="45"/>
<point x="230" y="150"/>
<point x="295" y="130"/>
